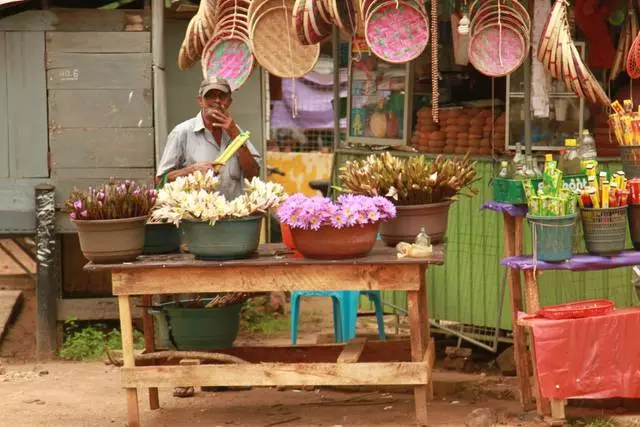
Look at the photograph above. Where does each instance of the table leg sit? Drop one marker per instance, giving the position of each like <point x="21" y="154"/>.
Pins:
<point x="424" y="320"/>
<point x="420" y="392"/>
<point x="126" y="328"/>
<point x="149" y="345"/>
<point x="513" y="246"/>
<point x="558" y="416"/>
<point x="533" y="305"/>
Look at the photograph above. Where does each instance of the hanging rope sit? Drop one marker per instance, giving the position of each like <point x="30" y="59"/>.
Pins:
<point x="435" y="69"/>
<point x="294" y="98"/>
<point x="500" y="33"/>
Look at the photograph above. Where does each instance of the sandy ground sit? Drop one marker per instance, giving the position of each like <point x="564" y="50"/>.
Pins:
<point x="89" y="394"/>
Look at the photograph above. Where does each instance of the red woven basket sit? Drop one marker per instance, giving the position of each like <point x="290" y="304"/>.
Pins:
<point x="576" y="310"/>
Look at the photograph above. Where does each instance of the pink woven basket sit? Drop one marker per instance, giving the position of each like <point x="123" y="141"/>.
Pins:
<point x="229" y="58"/>
<point x="497" y="50"/>
<point x="397" y="34"/>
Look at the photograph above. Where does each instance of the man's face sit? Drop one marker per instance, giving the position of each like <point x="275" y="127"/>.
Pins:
<point x="213" y="100"/>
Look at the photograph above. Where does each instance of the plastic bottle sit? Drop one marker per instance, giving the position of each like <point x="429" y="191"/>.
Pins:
<point x="423" y="238"/>
<point x="518" y="159"/>
<point x="504" y="170"/>
<point x="570" y="161"/>
<point x="536" y="168"/>
<point x="587" y="151"/>
<point x="528" y="167"/>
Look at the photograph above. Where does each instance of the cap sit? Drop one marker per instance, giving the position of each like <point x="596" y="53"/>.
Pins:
<point x="214" y="82"/>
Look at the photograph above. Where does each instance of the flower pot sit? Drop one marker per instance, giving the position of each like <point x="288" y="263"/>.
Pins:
<point x="161" y="238"/>
<point x="287" y="238"/>
<point x="409" y="220"/>
<point x="333" y="243"/>
<point x="201" y="328"/>
<point x="111" y="240"/>
<point x="235" y="238"/>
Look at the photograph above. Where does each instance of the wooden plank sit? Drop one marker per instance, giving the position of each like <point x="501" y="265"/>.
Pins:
<point x="98" y="42"/>
<point x="61" y="19"/>
<point x="9" y="302"/>
<point x="100" y="148"/>
<point x="99" y="71"/>
<point x="263" y="278"/>
<point x="418" y="347"/>
<point x="149" y="346"/>
<point x="4" y="110"/>
<point x="63" y="174"/>
<point x="94" y="308"/>
<point x="27" y="100"/>
<point x="352" y="351"/>
<point x="278" y="374"/>
<point x="17" y="194"/>
<point x="558" y="416"/>
<point x="100" y="109"/>
<point x="77" y="282"/>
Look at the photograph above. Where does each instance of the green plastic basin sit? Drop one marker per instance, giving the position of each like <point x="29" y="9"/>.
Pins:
<point x="228" y="239"/>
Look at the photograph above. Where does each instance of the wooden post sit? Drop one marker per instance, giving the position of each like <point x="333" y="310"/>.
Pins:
<point x="513" y="247"/>
<point x="126" y="329"/>
<point x="418" y="347"/>
<point x="47" y="277"/>
<point x="533" y="305"/>
<point x="149" y="345"/>
<point x="159" y="80"/>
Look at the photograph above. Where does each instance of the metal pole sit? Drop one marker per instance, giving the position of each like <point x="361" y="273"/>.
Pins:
<point x="335" y="44"/>
<point x="159" y="80"/>
<point x="527" y="91"/>
<point x="46" y="278"/>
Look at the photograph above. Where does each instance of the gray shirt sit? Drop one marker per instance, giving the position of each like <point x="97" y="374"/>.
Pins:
<point x="190" y="142"/>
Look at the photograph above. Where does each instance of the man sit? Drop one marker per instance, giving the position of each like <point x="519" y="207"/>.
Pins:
<point x="195" y="144"/>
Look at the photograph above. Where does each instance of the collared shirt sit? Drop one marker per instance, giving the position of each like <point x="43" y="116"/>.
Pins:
<point x="190" y="142"/>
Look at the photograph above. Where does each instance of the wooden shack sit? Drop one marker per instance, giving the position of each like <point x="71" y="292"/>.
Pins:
<point x="79" y="108"/>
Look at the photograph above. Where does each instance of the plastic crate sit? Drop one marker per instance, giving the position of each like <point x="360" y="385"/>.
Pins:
<point x="511" y="190"/>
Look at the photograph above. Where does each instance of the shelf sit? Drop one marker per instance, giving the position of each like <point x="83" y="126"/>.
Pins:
<point x="520" y="95"/>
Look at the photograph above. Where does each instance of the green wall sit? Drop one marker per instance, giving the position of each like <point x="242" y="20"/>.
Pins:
<point x="466" y="288"/>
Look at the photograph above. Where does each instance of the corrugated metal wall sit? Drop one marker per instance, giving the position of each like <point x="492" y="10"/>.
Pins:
<point x="466" y="288"/>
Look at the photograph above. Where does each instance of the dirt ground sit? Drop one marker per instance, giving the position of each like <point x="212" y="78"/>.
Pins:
<point x="68" y="394"/>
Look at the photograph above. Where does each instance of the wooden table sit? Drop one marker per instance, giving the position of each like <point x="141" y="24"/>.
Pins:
<point x="531" y="269"/>
<point x="276" y="269"/>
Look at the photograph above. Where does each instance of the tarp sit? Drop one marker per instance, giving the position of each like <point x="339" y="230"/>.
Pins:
<point x="594" y="357"/>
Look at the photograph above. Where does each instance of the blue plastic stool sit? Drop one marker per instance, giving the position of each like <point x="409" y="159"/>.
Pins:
<point x="345" y="312"/>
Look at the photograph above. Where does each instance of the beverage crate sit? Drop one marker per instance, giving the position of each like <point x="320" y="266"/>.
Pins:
<point x="511" y="190"/>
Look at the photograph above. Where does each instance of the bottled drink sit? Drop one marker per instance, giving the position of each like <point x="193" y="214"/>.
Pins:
<point x="570" y="161"/>
<point x="587" y="151"/>
<point x="536" y="168"/>
<point x="529" y="171"/>
<point x="504" y="170"/>
<point x="518" y="159"/>
<point x="423" y="238"/>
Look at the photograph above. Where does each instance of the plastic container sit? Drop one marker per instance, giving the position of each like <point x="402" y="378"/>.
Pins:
<point x="604" y="230"/>
<point x="553" y="236"/>
<point x="189" y="328"/>
<point x="235" y="238"/>
<point x="634" y="225"/>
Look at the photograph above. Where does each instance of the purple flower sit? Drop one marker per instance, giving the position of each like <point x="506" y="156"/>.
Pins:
<point x="84" y="214"/>
<point x="72" y="215"/>
<point x="77" y="204"/>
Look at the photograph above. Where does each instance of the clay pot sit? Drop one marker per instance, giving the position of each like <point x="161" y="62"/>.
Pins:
<point x="409" y="219"/>
<point x="333" y="243"/>
<point x="111" y="240"/>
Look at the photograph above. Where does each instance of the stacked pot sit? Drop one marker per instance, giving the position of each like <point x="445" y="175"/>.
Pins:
<point x="427" y="137"/>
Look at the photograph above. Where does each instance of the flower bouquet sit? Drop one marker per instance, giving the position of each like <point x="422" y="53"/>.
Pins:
<point x="211" y="226"/>
<point x="110" y="219"/>
<point x="422" y="190"/>
<point x="345" y="229"/>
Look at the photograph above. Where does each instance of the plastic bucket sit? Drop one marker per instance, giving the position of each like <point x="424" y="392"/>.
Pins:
<point x="235" y="238"/>
<point x="634" y="225"/>
<point x="553" y="236"/>
<point x="198" y="328"/>
<point x="605" y="230"/>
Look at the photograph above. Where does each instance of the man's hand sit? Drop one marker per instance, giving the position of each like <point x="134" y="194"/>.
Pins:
<point x="224" y="121"/>
<point x="204" y="167"/>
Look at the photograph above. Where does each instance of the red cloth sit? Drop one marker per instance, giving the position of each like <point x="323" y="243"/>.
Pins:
<point x="591" y="17"/>
<point x="594" y="357"/>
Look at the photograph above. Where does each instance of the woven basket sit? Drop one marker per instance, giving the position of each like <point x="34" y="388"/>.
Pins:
<point x="604" y="230"/>
<point x="230" y="59"/>
<point x="497" y="50"/>
<point x="277" y="48"/>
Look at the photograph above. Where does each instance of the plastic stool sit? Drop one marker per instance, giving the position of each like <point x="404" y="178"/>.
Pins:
<point x="345" y="312"/>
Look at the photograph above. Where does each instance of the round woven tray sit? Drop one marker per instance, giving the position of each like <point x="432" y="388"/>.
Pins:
<point x="230" y="59"/>
<point x="276" y="46"/>
<point x="397" y="34"/>
<point x="485" y="48"/>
